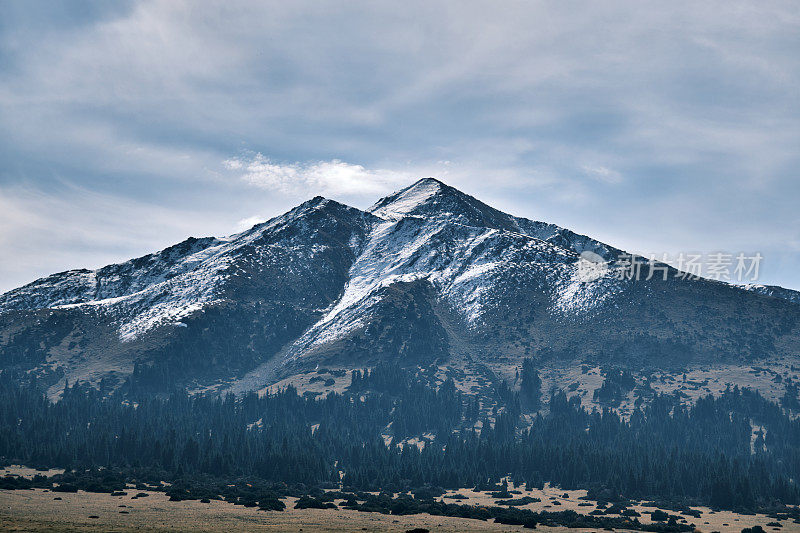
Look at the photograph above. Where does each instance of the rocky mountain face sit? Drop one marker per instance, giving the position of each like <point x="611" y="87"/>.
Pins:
<point x="427" y="275"/>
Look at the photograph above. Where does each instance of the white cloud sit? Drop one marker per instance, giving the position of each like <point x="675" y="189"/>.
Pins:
<point x="603" y="174"/>
<point x="335" y="177"/>
<point x="249" y="222"/>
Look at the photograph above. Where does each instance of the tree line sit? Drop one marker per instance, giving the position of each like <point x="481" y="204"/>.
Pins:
<point x="707" y="453"/>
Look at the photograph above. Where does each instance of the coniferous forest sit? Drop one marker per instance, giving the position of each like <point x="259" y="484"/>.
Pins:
<point x="707" y="453"/>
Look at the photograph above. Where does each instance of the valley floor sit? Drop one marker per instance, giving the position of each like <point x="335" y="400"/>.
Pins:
<point x="38" y="510"/>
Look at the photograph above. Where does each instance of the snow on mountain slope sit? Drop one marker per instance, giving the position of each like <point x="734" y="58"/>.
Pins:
<point x="463" y="248"/>
<point x="140" y="294"/>
<point x="77" y="287"/>
<point x="774" y="291"/>
<point x="431" y="199"/>
<point x="162" y="288"/>
<point x="428" y="230"/>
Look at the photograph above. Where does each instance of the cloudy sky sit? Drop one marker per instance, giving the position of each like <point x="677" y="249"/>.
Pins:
<point x="128" y="126"/>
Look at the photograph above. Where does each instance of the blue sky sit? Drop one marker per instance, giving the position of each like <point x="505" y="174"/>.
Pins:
<point x="661" y="128"/>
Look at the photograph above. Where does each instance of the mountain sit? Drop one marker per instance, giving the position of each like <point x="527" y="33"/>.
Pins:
<point x="426" y="276"/>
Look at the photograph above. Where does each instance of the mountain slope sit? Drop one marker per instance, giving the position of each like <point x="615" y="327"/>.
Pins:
<point x="216" y="308"/>
<point x="515" y="288"/>
<point x="774" y="291"/>
<point x="426" y="275"/>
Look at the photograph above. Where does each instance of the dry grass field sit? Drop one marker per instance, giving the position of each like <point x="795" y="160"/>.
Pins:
<point x="39" y="510"/>
<point x="36" y="510"/>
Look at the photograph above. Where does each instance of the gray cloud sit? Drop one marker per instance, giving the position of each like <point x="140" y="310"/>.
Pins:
<point x="657" y="128"/>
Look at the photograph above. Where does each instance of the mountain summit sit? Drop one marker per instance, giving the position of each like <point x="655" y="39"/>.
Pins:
<point x="427" y="275"/>
<point x="430" y="198"/>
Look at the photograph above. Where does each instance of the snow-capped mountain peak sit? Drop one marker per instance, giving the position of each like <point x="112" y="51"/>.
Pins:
<point x="408" y="201"/>
<point x="463" y="250"/>
<point x="423" y="271"/>
<point x="429" y="198"/>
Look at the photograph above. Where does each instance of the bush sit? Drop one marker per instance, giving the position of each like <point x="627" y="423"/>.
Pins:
<point x="659" y="516"/>
<point x="525" y="500"/>
<point x="307" y="502"/>
<point x="272" y="504"/>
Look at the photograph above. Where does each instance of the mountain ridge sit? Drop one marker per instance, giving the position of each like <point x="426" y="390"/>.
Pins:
<point x="427" y="275"/>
